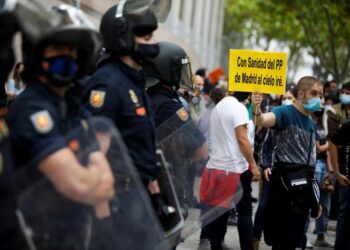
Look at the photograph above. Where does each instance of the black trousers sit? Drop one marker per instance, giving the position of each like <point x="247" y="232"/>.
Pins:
<point x="286" y="215"/>
<point x="245" y="213"/>
<point x="216" y="230"/>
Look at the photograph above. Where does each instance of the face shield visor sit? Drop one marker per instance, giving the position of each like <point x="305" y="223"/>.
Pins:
<point x="34" y="19"/>
<point x="186" y="74"/>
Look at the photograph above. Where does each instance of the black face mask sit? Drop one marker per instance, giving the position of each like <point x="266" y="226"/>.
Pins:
<point x="145" y="51"/>
<point x="319" y="113"/>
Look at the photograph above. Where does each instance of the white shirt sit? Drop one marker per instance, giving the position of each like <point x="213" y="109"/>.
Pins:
<point x="224" y="153"/>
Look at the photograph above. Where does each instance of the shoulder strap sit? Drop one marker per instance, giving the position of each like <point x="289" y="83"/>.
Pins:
<point x="310" y="148"/>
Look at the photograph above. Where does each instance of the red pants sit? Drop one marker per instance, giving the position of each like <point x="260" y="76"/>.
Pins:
<point x="218" y="187"/>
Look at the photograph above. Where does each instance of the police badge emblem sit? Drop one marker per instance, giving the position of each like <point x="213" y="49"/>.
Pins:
<point x="133" y="97"/>
<point x="182" y="114"/>
<point x="97" y="98"/>
<point x="42" y="121"/>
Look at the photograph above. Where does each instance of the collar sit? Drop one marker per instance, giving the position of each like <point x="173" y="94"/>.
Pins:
<point x="45" y="90"/>
<point x="160" y="89"/>
<point x="136" y="76"/>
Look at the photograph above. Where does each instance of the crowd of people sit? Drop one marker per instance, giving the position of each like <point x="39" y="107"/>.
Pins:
<point x="109" y="141"/>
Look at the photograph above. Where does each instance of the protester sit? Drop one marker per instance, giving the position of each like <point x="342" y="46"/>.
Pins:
<point x="340" y="155"/>
<point x="15" y="85"/>
<point x="266" y="162"/>
<point x="231" y="159"/>
<point x="294" y="148"/>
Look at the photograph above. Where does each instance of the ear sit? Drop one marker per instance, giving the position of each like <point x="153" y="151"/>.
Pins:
<point x="301" y="94"/>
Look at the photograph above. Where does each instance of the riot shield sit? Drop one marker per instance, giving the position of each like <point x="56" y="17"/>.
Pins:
<point x="52" y="221"/>
<point x="198" y="201"/>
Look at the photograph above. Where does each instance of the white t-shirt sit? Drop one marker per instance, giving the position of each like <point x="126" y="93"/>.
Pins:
<point x="224" y="152"/>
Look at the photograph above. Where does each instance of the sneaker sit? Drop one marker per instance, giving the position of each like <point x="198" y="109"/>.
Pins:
<point x="309" y="245"/>
<point x="204" y="244"/>
<point x="323" y="243"/>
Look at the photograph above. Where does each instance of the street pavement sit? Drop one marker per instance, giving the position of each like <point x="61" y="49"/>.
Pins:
<point x="232" y="240"/>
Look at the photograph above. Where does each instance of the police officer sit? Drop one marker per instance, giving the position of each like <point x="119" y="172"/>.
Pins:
<point x="10" y="236"/>
<point x="117" y="89"/>
<point x="171" y="68"/>
<point x="57" y="210"/>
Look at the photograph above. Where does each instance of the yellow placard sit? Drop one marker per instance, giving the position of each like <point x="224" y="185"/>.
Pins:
<point x="261" y="71"/>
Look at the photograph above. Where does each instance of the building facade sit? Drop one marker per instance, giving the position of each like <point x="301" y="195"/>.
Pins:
<point x="195" y="25"/>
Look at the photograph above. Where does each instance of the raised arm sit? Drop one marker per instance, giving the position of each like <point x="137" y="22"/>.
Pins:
<point x="266" y="120"/>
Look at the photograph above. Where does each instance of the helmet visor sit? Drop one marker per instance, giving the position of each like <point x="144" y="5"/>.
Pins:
<point x="186" y="74"/>
<point x="35" y="19"/>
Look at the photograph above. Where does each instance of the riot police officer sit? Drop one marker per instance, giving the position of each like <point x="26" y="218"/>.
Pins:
<point x="56" y="190"/>
<point x="117" y="89"/>
<point x="172" y="68"/>
<point x="10" y="236"/>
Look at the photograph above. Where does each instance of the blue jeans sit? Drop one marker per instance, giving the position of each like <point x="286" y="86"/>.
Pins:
<point x="321" y="223"/>
<point x="342" y="226"/>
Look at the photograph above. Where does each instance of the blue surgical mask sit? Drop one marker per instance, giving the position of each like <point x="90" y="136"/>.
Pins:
<point x="345" y="99"/>
<point x="287" y="102"/>
<point x="313" y="104"/>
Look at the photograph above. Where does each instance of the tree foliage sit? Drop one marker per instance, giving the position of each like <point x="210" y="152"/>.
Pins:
<point x="320" y="26"/>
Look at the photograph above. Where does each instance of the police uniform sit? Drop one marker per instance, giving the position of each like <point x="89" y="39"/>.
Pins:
<point x="39" y="121"/>
<point x="172" y="117"/>
<point x="118" y="92"/>
<point x="166" y="104"/>
<point x="10" y="235"/>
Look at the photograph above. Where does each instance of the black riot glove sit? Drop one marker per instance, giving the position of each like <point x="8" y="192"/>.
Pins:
<point x="161" y="207"/>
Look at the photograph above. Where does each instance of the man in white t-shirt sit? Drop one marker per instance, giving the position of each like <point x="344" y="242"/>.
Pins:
<point x="231" y="161"/>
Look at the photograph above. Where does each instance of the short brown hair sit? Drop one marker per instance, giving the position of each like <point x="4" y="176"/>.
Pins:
<point x="306" y="83"/>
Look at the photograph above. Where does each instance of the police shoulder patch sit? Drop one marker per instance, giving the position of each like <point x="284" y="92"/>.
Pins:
<point x="97" y="98"/>
<point x="183" y="114"/>
<point x="42" y="121"/>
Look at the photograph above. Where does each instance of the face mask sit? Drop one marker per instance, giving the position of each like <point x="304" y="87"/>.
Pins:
<point x="200" y="88"/>
<point x="313" y="104"/>
<point x="319" y="113"/>
<point x="144" y="51"/>
<point x="327" y="106"/>
<point x="61" y="70"/>
<point x="273" y="96"/>
<point x="333" y="92"/>
<point x="345" y="99"/>
<point x="287" y="102"/>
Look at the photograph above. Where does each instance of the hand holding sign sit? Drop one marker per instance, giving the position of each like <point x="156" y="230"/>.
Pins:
<point x="256" y="99"/>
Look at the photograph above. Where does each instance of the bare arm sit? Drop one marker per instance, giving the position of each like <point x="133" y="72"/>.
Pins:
<point x="90" y="185"/>
<point x="329" y="163"/>
<point x="321" y="148"/>
<point x="246" y="149"/>
<point x="333" y="150"/>
<point x="266" y="120"/>
<point x="202" y="152"/>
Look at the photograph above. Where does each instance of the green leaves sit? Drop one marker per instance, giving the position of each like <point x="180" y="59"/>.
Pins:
<point x="320" y="26"/>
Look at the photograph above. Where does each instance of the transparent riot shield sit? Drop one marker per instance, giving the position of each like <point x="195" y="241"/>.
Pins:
<point x="50" y="220"/>
<point x="200" y="194"/>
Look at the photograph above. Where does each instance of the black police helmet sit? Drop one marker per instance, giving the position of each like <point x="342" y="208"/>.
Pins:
<point x="74" y="29"/>
<point x="168" y="66"/>
<point x="118" y="32"/>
